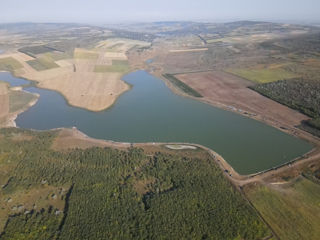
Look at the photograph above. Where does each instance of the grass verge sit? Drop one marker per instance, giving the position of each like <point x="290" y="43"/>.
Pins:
<point x="19" y="99"/>
<point x="182" y="86"/>
<point x="9" y="64"/>
<point x="262" y="75"/>
<point x="292" y="211"/>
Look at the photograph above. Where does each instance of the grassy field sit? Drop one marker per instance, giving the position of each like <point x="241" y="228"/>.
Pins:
<point x="292" y="211"/>
<point x="9" y="64"/>
<point x="104" y="193"/>
<point x="19" y="99"/>
<point x="12" y="101"/>
<point x="263" y="75"/>
<point x="184" y="87"/>
<point x="41" y="64"/>
<point x="84" y="54"/>
<point x="56" y="56"/>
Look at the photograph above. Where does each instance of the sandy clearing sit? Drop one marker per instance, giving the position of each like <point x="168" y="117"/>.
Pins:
<point x="64" y="63"/>
<point x="233" y="92"/>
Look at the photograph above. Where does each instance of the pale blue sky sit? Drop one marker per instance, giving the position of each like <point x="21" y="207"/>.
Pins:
<point x="104" y="11"/>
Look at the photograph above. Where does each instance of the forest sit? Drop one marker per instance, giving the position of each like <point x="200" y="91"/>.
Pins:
<point x="117" y="194"/>
<point x="302" y="95"/>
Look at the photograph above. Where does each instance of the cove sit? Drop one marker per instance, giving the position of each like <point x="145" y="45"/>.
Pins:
<point x="9" y="78"/>
<point x="151" y="112"/>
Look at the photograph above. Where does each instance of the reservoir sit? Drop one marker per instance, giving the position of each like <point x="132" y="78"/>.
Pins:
<point x="8" y="77"/>
<point x="151" y="112"/>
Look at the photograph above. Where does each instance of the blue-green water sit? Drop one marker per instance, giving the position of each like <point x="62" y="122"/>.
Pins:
<point x="151" y="112"/>
<point x="8" y="77"/>
<point x="148" y="61"/>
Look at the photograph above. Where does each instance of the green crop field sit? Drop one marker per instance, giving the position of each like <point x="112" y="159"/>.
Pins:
<point x="292" y="211"/>
<point x="263" y="75"/>
<point x="9" y="64"/>
<point x="41" y="64"/>
<point x="113" y="194"/>
<point x="181" y="85"/>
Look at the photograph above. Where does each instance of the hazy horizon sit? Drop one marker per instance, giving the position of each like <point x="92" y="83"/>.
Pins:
<point x="99" y="11"/>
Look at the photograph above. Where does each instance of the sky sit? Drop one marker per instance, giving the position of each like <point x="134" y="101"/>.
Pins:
<point x="113" y="11"/>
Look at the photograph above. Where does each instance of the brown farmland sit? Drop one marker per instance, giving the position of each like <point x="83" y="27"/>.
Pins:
<point x="233" y="93"/>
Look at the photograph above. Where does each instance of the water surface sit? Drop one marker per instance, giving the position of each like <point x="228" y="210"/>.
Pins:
<point x="151" y="112"/>
<point x="8" y="77"/>
<point x="148" y="61"/>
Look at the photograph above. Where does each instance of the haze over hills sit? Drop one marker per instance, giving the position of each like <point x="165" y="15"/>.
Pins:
<point x="99" y="11"/>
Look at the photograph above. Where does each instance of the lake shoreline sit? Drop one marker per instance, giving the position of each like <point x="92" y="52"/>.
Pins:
<point x="294" y="131"/>
<point x="288" y="129"/>
<point x="231" y="174"/>
<point x="11" y="119"/>
<point x="211" y="147"/>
